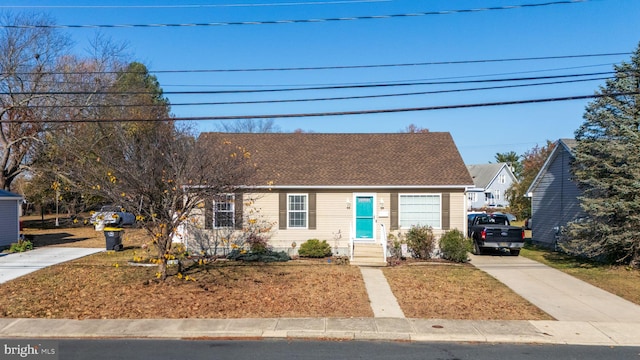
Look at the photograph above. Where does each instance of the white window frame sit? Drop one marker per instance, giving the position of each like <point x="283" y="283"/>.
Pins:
<point x="496" y="195"/>
<point x="231" y="201"/>
<point x="503" y="179"/>
<point x="305" y="211"/>
<point x="472" y="196"/>
<point x="400" y="210"/>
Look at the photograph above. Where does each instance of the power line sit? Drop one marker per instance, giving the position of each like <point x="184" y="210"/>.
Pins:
<point x="339" y="113"/>
<point x="340" y="87"/>
<point x="341" y="67"/>
<point x="303" y="21"/>
<point x="250" y="102"/>
<point x="186" y="6"/>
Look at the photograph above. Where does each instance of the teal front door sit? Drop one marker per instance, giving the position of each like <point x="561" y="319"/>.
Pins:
<point x="364" y="217"/>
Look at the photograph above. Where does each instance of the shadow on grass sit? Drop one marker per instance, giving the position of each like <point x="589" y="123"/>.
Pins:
<point x="563" y="260"/>
<point x="53" y="239"/>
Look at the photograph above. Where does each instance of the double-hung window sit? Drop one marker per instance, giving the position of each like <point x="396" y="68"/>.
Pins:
<point x="297" y="210"/>
<point x="420" y="210"/>
<point x="223" y="208"/>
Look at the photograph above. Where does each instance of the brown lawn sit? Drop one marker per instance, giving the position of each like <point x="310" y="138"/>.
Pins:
<point x="106" y="286"/>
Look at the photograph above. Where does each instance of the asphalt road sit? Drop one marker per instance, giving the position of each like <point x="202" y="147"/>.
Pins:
<point x="298" y="349"/>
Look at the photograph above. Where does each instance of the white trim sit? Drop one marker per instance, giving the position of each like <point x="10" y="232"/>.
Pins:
<point x="418" y="194"/>
<point x="306" y="212"/>
<point x="232" y="201"/>
<point x="546" y="165"/>
<point x="375" y="216"/>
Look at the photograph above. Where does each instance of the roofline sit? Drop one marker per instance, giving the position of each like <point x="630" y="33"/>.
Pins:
<point x="546" y="165"/>
<point x="353" y="187"/>
<point x="504" y="165"/>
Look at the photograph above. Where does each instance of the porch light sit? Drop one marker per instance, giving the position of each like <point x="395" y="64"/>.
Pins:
<point x="348" y="203"/>
<point x="381" y="203"/>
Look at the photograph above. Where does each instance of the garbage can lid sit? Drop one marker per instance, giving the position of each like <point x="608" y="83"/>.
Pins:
<point x="113" y="229"/>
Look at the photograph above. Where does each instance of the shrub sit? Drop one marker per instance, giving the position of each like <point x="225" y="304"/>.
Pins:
<point x="258" y="244"/>
<point x="21" y="246"/>
<point x="315" y="248"/>
<point x="421" y="241"/>
<point x="455" y="246"/>
<point x="266" y="256"/>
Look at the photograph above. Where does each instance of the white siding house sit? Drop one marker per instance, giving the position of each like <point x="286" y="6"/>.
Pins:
<point x="491" y="182"/>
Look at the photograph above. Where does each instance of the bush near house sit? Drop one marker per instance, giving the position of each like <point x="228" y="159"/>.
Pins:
<point x="421" y="241"/>
<point x="315" y="248"/>
<point x="455" y="246"/>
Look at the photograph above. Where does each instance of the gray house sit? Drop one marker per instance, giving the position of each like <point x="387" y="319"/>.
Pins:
<point x="491" y="182"/>
<point x="9" y="218"/>
<point x="554" y="196"/>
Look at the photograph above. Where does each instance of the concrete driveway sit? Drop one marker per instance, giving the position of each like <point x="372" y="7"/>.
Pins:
<point x="560" y="295"/>
<point x="18" y="264"/>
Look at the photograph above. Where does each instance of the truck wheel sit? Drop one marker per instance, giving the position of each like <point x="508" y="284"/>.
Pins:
<point x="476" y="249"/>
<point x="514" y="252"/>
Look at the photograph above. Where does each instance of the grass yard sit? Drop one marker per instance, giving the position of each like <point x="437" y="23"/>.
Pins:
<point x="457" y="292"/>
<point x="106" y="286"/>
<point x="619" y="280"/>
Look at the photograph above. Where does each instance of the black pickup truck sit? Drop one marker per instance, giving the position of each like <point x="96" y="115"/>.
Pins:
<point x="495" y="231"/>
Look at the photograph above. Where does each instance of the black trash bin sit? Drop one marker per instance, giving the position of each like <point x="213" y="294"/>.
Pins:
<point x="113" y="237"/>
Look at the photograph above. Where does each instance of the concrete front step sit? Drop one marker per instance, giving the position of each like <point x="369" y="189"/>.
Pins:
<point x="368" y="255"/>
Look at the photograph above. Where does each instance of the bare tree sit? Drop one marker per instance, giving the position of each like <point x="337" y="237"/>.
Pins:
<point x="28" y="57"/>
<point x="148" y="164"/>
<point x="249" y="126"/>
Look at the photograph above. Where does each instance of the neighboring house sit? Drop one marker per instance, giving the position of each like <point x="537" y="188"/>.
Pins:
<point x="491" y="182"/>
<point x="10" y="204"/>
<point x="554" y="195"/>
<point x="344" y="188"/>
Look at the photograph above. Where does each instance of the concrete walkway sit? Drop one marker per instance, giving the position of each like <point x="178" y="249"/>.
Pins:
<point x="18" y="264"/>
<point x="383" y="303"/>
<point x="558" y="294"/>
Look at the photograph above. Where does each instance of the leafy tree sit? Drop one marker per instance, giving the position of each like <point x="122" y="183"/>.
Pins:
<point x="532" y="161"/>
<point x="607" y="169"/>
<point x="513" y="160"/>
<point x="28" y="56"/>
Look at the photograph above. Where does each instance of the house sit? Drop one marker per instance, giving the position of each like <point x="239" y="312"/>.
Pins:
<point x="349" y="189"/>
<point x="10" y="205"/>
<point x="554" y="195"/>
<point x="491" y="182"/>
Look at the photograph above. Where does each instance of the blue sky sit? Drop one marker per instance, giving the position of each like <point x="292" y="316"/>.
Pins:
<point x="590" y="27"/>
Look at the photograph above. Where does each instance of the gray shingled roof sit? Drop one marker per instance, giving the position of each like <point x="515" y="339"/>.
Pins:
<point x="6" y="195"/>
<point x="482" y="174"/>
<point x="312" y="159"/>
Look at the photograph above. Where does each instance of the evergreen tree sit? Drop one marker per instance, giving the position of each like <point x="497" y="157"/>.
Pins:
<point x="607" y="169"/>
<point x="513" y="160"/>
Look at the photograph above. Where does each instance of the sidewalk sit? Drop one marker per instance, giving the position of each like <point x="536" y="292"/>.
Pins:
<point x="588" y="316"/>
<point x="392" y="329"/>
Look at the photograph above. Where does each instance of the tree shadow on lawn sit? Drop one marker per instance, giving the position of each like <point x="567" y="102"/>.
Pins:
<point x="53" y="239"/>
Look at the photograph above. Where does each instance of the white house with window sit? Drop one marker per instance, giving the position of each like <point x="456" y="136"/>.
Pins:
<point x="491" y="182"/>
<point x="349" y="189"/>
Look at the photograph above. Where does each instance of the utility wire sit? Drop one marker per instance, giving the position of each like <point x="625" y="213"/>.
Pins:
<point x="337" y="67"/>
<point x="320" y="99"/>
<point x="187" y="6"/>
<point x="302" y="21"/>
<point x="341" y="87"/>
<point x="339" y="113"/>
